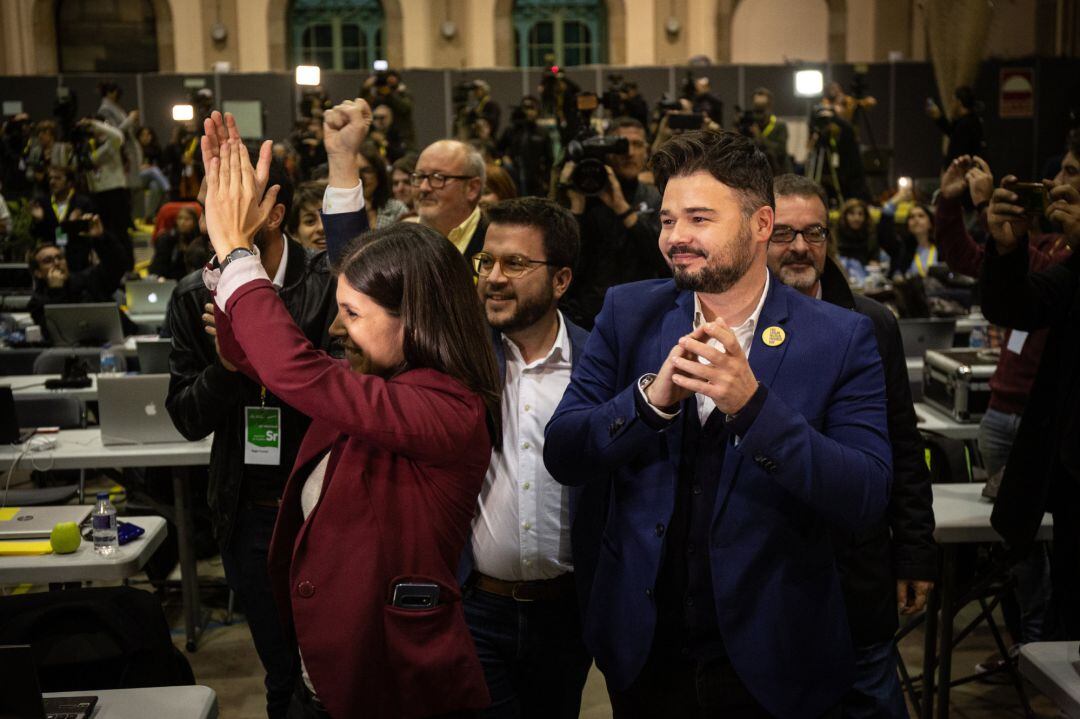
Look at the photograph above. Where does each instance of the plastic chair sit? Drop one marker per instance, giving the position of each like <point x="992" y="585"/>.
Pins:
<point x="166" y="217"/>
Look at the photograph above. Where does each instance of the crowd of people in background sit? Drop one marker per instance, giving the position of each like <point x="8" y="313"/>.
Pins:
<point x="580" y="172"/>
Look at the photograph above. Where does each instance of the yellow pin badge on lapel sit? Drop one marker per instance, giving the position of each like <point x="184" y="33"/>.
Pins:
<point x="773" y="336"/>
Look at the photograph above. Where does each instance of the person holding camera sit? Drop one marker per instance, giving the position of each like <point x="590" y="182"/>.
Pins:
<point x="386" y="88"/>
<point x="706" y="102"/>
<point x="619" y="223"/>
<point x="43" y="152"/>
<point x="100" y="152"/>
<point x="1043" y="468"/>
<point x="56" y="284"/>
<point x="962" y="125"/>
<point x="769" y="132"/>
<point x="529" y="148"/>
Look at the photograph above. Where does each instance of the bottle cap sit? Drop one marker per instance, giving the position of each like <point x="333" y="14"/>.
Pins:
<point x="102" y="495"/>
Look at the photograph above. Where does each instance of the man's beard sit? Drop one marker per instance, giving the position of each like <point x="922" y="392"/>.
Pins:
<point x="527" y="313"/>
<point x="800" y="279"/>
<point x="720" y="273"/>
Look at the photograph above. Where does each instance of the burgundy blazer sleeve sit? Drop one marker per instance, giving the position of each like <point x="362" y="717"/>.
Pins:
<point x="425" y="416"/>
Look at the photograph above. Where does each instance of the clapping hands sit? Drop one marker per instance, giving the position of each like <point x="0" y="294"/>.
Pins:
<point x="237" y="201"/>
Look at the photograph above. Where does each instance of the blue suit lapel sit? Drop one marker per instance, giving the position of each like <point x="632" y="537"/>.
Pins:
<point x="765" y="362"/>
<point x="676" y="323"/>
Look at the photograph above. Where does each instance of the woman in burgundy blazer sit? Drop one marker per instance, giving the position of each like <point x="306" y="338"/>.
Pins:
<point x="402" y="434"/>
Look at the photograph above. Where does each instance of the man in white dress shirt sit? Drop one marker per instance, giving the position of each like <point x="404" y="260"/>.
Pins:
<point x="520" y="600"/>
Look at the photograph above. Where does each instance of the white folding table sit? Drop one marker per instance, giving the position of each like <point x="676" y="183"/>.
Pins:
<point x="1054" y="669"/>
<point x="196" y="702"/>
<point x="82" y="449"/>
<point x="84" y="564"/>
<point x="32" y="386"/>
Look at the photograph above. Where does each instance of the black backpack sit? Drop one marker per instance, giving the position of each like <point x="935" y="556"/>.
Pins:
<point x="95" y="638"/>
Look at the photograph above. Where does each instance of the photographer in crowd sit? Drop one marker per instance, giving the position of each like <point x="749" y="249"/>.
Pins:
<point x="385" y="135"/>
<point x="962" y="126"/>
<point x="529" y="148"/>
<point x="98" y="148"/>
<point x="703" y="100"/>
<point x="385" y="87"/>
<point x="768" y="131"/>
<point x="43" y="152"/>
<point x="1043" y="469"/>
<point x="60" y="202"/>
<point x="618" y="217"/>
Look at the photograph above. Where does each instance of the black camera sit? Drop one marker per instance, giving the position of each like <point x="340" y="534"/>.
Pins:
<point x="589" y="155"/>
<point x="745" y="120"/>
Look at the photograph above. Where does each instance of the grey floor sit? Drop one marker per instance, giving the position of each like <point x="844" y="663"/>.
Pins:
<point x="226" y="661"/>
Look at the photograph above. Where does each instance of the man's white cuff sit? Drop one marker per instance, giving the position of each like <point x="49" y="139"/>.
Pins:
<point x="339" y="200"/>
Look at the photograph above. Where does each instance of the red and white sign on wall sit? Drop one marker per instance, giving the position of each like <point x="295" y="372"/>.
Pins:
<point x="1017" y="90"/>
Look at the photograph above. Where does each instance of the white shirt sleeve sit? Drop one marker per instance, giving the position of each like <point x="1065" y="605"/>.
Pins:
<point x="337" y="200"/>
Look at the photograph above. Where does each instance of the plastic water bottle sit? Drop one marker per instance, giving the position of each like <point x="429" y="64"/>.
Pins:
<point x="978" y="338"/>
<point x="103" y="519"/>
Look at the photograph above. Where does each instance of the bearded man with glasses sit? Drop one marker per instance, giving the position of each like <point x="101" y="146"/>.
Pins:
<point x="895" y="559"/>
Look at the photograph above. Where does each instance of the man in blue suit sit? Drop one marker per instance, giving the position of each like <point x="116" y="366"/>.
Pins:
<point x="734" y="423"/>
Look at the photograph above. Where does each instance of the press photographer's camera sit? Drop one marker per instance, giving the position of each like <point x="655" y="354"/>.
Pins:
<point x="589" y="150"/>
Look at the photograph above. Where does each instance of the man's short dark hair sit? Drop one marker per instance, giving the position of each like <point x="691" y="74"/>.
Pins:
<point x="278" y="176"/>
<point x="791" y="185"/>
<point x="556" y="224"/>
<point x="620" y="123"/>
<point x="729" y="157"/>
<point x="763" y="91"/>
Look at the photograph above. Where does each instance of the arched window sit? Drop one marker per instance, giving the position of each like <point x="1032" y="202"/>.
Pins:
<point x="106" y="36"/>
<point x="337" y="34"/>
<point x="566" y="32"/>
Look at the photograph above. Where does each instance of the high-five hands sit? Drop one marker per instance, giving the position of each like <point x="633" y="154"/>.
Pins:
<point x="236" y="206"/>
<point x="727" y="378"/>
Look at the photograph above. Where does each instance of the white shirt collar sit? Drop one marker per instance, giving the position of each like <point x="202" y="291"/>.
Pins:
<point x="748" y="324"/>
<point x="279" y="276"/>
<point x="560" y="351"/>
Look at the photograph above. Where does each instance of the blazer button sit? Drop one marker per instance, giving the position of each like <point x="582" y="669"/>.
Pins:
<point x="615" y="426"/>
<point x="660" y="529"/>
<point x="305" y="589"/>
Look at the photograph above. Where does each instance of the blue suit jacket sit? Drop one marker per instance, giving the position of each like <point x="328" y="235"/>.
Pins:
<point x="817" y="455"/>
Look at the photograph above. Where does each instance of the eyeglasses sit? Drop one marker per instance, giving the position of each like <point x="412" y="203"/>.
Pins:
<point x="814" y="234"/>
<point x="513" y="266"/>
<point x="436" y="179"/>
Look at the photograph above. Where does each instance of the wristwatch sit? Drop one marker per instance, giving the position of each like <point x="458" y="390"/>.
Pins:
<point x="236" y="255"/>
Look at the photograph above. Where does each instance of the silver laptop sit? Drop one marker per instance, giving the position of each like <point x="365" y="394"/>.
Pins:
<point x="34" y="522"/>
<point x="131" y="409"/>
<point x="90" y="325"/>
<point x="153" y="355"/>
<point x="920" y="335"/>
<point x="145" y="297"/>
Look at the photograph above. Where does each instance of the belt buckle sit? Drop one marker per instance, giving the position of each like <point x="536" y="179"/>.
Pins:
<point x="514" y="593"/>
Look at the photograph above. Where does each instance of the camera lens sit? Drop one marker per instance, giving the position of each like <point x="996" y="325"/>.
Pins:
<point x="589" y="176"/>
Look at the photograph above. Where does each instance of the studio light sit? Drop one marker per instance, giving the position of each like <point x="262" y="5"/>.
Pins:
<point x="809" y="83"/>
<point x="307" y="74"/>
<point x="183" y="113"/>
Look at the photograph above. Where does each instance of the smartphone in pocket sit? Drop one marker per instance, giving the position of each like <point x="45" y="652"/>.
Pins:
<point x="415" y="596"/>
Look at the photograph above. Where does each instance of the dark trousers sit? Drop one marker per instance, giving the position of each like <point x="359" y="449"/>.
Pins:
<point x="686" y="689"/>
<point x="534" y="659"/>
<point x="244" y="559"/>
<point x="670" y="688"/>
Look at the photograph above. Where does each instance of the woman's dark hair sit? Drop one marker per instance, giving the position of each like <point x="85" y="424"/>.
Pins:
<point x="306" y="195"/>
<point x="929" y="213"/>
<point x="370" y="152"/>
<point x="109" y="86"/>
<point x="729" y="157"/>
<point x="412" y="272"/>
<point x="405" y="164"/>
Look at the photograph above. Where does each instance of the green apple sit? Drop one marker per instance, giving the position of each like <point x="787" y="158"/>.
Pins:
<point x="65" y="537"/>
